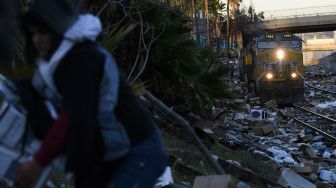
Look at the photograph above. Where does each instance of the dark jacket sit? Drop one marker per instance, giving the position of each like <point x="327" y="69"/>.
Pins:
<point x="77" y="79"/>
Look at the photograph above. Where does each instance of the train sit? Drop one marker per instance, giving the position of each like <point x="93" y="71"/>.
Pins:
<point x="272" y="66"/>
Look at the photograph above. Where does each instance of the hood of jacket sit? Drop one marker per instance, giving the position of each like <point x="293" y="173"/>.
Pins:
<point x="58" y="15"/>
<point x="86" y="27"/>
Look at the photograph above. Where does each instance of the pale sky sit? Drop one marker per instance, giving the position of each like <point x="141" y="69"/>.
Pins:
<point x="267" y="5"/>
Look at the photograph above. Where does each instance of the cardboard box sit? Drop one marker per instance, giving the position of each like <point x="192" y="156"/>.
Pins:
<point x="263" y="130"/>
<point x="306" y="150"/>
<point x="257" y="122"/>
<point x="302" y="170"/>
<point x="313" y="166"/>
<point x="271" y="104"/>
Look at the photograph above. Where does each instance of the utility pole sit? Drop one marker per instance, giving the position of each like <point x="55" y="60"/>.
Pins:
<point x="207" y="22"/>
<point x="228" y="28"/>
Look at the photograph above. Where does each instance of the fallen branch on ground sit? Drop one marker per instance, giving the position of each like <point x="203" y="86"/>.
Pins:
<point x="176" y="117"/>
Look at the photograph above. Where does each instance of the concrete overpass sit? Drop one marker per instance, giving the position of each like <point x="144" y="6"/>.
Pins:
<point x="302" y="24"/>
<point x="313" y="19"/>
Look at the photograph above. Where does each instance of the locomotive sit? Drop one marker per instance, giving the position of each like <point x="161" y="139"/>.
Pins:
<point x="272" y="66"/>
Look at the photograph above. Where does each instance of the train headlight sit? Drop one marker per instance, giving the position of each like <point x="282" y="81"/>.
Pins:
<point x="269" y="76"/>
<point x="294" y="75"/>
<point x="280" y="54"/>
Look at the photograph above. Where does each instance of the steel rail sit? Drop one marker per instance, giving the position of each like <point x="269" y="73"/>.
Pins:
<point x="320" y="89"/>
<point x="322" y="95"/>
<point x="320" y="115"/>
<point x="315" y="129"/>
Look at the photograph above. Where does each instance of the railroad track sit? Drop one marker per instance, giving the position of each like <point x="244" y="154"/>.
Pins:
<point x="317" y="114"/>
<point x="321" y="120"/>
<point x="321" y="93"/>
<point x="315" y="129"/>
<point x="323" y="90"/>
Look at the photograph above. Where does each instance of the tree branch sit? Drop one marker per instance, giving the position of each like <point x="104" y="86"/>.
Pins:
<point x="197" y="141"/>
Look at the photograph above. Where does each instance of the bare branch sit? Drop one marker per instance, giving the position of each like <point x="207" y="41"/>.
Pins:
<point x="147" y="55"/>
<point x="139" y="48"/>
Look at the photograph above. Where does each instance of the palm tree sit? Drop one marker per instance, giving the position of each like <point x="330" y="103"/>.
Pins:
<point x="228" y="27"/>
<point x="232" y="6"/>
<point x="207" y="21"/>
<point x="195" y="13"/>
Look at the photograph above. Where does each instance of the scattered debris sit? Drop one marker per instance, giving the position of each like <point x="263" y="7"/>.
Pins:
<point x="282" y="156"/>
<point x="302" y="156"/>
<point x="271" y="104"/>
<point x="258" y="114"/>
<point x="213" y="181"/>
<point x="242" y="185"/>
<point x="307" y="150"/>
<point x="263" y="130"/>
<point x="327" y="105"/>
<point x="328" y="176"/>
<point x="302" y="169"/>
<point x="166" y="178"/>
<point x="292" y="179"/>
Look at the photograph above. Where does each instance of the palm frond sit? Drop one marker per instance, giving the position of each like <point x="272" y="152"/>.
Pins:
<point x="113" y="38"/>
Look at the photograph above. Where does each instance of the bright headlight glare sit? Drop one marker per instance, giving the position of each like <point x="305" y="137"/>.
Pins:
<point x="269" y="76"/>
<point x="280" y="54"/>
<point x="294" y="75"/>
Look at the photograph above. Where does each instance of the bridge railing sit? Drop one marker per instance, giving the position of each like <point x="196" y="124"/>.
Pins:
<point x="300" y="12"/>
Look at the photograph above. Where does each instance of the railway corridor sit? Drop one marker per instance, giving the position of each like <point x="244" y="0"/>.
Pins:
<point x="301" y="137"/>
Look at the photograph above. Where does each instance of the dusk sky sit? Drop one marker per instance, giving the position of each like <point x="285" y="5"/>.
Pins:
<point x="266" y="5"/>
